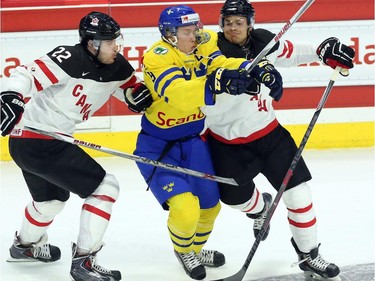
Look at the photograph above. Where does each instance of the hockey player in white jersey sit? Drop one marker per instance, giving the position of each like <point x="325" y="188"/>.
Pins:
<point x="66" y="87"/>
<point x="246" y="138"/>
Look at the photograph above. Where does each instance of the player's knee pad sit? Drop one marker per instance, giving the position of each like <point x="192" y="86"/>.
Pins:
<point x="46" y="210"/>
<point x="184" y="212"/>
<point x="108" y="189"/>
<point x="103" y="197"/>
<point x="298" y="197"/>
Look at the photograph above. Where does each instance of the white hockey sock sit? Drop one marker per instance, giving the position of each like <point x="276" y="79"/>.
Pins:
<point x="301" y="217"/>
<point x="95" y="215"/>
<point x="252" y="206"/>
<point x="37" y="219"/>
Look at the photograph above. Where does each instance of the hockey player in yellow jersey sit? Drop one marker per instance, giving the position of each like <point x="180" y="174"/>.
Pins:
<point x="184" y="71"/>
<point x="177" y="81"/>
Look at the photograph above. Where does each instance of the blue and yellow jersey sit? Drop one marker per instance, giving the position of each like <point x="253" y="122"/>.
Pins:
<point x="177" y="82"/>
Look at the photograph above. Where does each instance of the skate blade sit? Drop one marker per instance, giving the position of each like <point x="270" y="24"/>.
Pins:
<point x="310" y="276"/>
<point x="10" y="259"/>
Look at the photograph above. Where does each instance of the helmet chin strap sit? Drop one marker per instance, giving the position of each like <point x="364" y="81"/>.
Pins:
<point x="96" y="44"/>
<point x="248" y="36"/>
<point x="201" y="37"/>
<point x="92" y="54"/>
<point x="171" y="40"/>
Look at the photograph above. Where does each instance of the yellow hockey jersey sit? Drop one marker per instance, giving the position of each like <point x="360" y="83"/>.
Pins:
<point x="177" y="82"/>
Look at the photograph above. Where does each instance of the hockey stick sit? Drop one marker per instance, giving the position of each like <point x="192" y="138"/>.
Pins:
<point x="241" y="273"/>
<point x="144" y="160"/>
<point x="277" y="37"/>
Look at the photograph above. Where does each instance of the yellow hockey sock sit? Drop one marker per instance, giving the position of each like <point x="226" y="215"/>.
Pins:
<point x="184" y="213"/>
<point x="205" y="226"/>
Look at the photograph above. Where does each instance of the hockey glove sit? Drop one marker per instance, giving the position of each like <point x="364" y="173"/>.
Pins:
<point x="265" y="73"/>
<point x="138" y="97"/>
<point x="12" y="108"/>
<point x="233" y="82"/>
<point x="333" y="53"/>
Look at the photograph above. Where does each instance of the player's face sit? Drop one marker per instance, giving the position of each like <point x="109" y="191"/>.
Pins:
<point x="109" y="49"/>
<point x="235" y="29"/>
<point x="186" y="40"/>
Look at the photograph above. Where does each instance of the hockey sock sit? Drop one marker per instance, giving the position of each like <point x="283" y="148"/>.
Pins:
<point x="254" y="205"/>
<point x="301" y="217"/>
<point x="205" y="226"/>
<point x="182" y="222"/>
<point x="95" y="215"/>
<point x="37" y="219"/>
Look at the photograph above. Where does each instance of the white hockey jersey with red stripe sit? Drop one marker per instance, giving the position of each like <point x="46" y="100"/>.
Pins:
<point x="244" y="118"/>
<point x="66" y="87"/>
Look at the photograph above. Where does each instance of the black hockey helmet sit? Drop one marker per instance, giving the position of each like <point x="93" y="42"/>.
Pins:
<point x="98" y="26"/>
<point x="240" y="8"/>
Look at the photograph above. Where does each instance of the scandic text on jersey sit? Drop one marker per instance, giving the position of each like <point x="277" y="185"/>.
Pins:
<point x="170" y="122"/>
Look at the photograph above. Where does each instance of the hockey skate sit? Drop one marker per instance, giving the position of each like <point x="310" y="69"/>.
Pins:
<point x="211" y="258"/>
<point x="39" y="251"/>
<point x="192" y="265"/>
<point x="261" y="217"/>
<point x="315" y="267"/>
<point x="84" y="268"/>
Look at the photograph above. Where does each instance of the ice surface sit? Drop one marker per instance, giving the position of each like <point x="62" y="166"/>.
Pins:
<point x="137" y="241"/>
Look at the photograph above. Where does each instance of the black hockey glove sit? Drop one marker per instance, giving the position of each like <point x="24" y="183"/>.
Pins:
<point x="264" y="72"/>
<point x="138" y="97"/>
<point x="333" y="53"/>
<point x="12" y="108"/>
<point x="233" y="82"/>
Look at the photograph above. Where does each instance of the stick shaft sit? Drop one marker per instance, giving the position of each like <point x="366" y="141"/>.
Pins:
<point x="133" y="157"/>
<point x="278" y="36"/>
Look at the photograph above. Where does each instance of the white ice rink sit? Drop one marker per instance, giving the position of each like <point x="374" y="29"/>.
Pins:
<point x="137" y="241"/>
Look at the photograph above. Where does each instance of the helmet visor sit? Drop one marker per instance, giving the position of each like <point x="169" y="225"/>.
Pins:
<point x="234" y="22"/>
<point x="119" y="41"/>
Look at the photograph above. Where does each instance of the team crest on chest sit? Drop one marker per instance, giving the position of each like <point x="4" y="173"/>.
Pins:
<point x="160" y="50"/>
